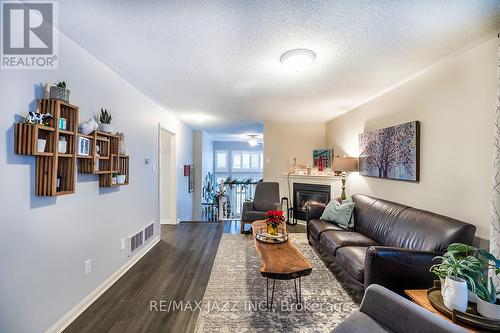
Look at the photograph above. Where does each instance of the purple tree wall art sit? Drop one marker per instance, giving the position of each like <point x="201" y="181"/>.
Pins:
<point x="391" y="152"/>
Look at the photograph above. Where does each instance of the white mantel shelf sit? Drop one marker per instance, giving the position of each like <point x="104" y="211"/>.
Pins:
<point x="333" y="181"/>
<point x="312" y="177"/>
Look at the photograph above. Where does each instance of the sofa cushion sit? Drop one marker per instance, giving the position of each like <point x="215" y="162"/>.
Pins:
<point x="333" y="240"/>
<point x="417" y="229"/>
<point x="253" y="215"/>
<point x="316" y="227"/>
<point x="340" y="213"/>
<point x="375" y="217"/>
<point x="352" y="259"/>
<point x="360" y="323"/>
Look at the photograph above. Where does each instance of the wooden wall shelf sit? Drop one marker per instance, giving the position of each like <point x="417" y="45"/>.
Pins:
<point x="104" y="159"/>
<point x="55" y="172"/>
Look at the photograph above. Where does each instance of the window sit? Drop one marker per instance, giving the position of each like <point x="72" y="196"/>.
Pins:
<point x="236" y="161"/>
<point x="247" y="161"/>
<point x="254" y="163"/>
<point x="221" y="160"/>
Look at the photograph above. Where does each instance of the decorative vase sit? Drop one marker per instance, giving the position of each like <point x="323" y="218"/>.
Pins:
<point x="488" y="310"/>
<point x="59" y="93"/>
<point x="88" y="126"/>
<point x="272" y="230"/>
<point x="120" y="179"/>
<point x="106" y="128"/>
<point x="455" y="293"/>
<point x="62" y="147"/>
<point x="41" y="145"/>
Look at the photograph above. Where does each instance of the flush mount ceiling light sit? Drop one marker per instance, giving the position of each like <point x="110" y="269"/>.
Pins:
<point x="252" y="141"/>
<point x="298" y="59"/>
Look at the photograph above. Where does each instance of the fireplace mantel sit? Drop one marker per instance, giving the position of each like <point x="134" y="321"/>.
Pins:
<point x="335" y="183"/>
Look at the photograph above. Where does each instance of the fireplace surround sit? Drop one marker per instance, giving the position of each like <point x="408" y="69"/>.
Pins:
<point x="308" y="193"/>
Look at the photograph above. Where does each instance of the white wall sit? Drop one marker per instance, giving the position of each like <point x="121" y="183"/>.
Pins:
<point x="203" y="164"/>
<point x="285" y="141"/>
<point x="45" y="241"/>
<point x="455" y="102"/>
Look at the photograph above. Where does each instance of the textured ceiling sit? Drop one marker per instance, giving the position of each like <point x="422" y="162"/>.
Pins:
<point x="216" y="63"/>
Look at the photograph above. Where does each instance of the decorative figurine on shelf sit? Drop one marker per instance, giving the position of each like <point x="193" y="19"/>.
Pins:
<point x="88" y="126"/>
<point x="59" y="91"/>
<point x="122" y="148"/>
<point x="274" y="219"/>
<point x="37" y="118"/>
<point x="105" y="120"/>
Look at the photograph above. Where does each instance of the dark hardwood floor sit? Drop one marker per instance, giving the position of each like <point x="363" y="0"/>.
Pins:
<point x="177" y="268"/>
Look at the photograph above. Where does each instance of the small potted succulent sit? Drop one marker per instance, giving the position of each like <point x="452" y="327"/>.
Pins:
<point x="105" y="120"/>
<point x="274" y="219"/>
<point x="60" y="91"/>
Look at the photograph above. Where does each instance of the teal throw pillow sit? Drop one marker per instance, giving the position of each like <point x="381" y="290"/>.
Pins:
<point x="340" y="213"/>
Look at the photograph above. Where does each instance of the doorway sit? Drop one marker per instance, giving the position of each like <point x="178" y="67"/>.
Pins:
<point x="167" y="177"/>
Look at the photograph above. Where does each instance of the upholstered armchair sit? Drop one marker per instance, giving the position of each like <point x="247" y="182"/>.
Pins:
<point x="267" y="197"/>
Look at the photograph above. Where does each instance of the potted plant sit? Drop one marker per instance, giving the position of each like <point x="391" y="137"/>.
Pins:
<point x="473" y="265"/>
<point x="114" y="179"/>
<point x="105" y="120"/>
<point x="274" y="219"/>
<point x="60" y="91"/>
<point x="121" y="178"/>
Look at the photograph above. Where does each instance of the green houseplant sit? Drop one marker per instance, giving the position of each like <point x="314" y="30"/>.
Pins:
<point x="475" y="266"/>
<point x="105" y="120"/>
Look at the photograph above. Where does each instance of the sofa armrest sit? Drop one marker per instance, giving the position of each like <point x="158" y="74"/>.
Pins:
<point x="401" y="315"/>
<point x="314" y="211"/>
<point x="398" y="268"/>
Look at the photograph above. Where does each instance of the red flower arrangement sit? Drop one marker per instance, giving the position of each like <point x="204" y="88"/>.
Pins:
<point x="275" y="218"/>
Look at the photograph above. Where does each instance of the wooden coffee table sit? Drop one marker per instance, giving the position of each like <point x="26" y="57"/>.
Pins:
<point x="280" y="262"/>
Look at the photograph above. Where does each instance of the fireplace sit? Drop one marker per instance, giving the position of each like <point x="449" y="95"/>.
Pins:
<point x="308" y="193"/>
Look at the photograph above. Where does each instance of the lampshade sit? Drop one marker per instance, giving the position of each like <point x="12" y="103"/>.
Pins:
<point x="345" y="164"/>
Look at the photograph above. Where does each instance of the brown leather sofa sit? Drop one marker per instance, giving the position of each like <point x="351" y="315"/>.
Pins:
<point x="391" y="244"/>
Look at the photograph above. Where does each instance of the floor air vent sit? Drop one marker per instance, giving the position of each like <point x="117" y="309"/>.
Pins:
<point x="149" y="232"/>
<point x="138" y="240"/>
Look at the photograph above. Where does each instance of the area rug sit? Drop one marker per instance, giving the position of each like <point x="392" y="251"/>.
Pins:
<point x="235" y="298"/>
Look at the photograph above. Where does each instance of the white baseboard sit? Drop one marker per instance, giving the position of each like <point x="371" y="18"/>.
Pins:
<point x="69" y="317"/>
<point x="168" y="221"/>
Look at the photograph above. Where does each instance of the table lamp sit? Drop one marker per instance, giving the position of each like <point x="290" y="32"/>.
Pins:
<point x="343" y="165"/>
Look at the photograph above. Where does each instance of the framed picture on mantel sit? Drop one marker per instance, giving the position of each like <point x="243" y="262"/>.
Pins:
<point x="392" y="152"/>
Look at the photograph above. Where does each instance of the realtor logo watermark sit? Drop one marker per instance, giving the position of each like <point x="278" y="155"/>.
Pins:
<point x="29" y="37"/>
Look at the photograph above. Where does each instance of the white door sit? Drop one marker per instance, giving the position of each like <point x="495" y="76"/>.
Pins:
<point x="167" y="178"/>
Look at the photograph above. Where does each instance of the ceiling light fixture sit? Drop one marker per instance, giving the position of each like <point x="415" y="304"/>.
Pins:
<point x="298" y="59"/>
<point x="253" y="140"/>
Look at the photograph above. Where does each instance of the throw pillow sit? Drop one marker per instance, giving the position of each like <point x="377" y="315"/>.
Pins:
<point x="339" y="213"/>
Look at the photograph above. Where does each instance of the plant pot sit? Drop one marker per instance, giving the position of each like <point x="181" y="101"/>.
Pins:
<point x="62" y="147"/>
<point x="273" y="231"/>
<point x="41" y="145"/>
<point x="121" y="179"/>
<point x="59" y="93"/>
<point x="472" y="297"/>
<point x="106" y="128"/>
<point x="113" y="180"/>
<point x="488" y="310"/>
<point x="455" y="293"/>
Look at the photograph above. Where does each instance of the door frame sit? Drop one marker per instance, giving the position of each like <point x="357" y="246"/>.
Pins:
<point x="172" y="218"/>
